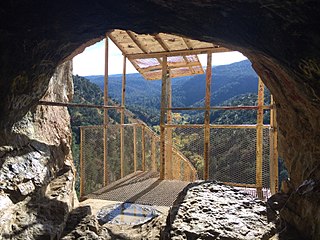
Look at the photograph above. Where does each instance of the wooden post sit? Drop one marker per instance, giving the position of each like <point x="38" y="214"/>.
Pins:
<point x="169" y="165"/>
<point x="259" y="146"/>
<point x="82" y="177"/>
<point x="274" y="184"/>
<point x="143" y="143"/>
<point x="153" y="153"/>
<point x="207" y="117"/>
<point x="135" y="148"/>
<point x="162" y="118"/>
<point x="123" y="96"/>
<point x="105" y="115"/>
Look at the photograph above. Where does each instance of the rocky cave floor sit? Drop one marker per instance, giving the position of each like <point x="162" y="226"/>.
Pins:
<point x="203" y="210"/>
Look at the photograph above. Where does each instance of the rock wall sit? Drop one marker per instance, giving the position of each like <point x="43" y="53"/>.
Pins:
<point x="281" y="38"/>
<point x="36" y="169"/>
<point x="211" y="210"/>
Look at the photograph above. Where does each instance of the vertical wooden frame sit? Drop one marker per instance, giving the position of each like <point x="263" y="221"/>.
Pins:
<point x="169" y="164"/>
<point x="274" y="184"/>
<point x="207" y="117"/>
<point x="123" y="96"/>
<point x="105" y="113"/>
<point x="259" y="143"/>
<point x="162" y="118"/>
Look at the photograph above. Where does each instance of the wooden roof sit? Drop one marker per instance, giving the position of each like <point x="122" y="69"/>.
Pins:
<point x="145" y="52"/>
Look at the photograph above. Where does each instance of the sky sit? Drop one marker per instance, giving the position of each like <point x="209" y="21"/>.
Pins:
<point x="91" y="60"/>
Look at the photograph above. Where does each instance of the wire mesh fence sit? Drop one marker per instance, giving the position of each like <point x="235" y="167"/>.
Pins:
<point x="129" y="148"/>
<point x="233" y="155"/>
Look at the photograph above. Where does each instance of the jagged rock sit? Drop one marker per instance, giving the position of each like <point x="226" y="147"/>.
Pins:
<point x="26" y="188"/>
<point x="82" y="225"/>
<point x="302" y="209"/>
<point x="36" y="170"/>
<point x="209" y="210"/>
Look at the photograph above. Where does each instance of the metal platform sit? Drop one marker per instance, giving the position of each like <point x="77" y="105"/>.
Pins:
<point x="143" y="188"/>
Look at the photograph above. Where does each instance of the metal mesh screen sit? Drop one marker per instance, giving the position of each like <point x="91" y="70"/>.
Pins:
<point x="140" y="149"/>
<point x="189" y="142"/>
<point x="128" y="149"/>
<point x="92" y="154"/>
<point x="266" y="159"/>
<point x="113" y="152"/>
<point x="233" y="155"/>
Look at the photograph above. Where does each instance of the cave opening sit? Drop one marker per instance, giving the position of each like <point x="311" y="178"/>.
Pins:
<point x="270" y="34"/>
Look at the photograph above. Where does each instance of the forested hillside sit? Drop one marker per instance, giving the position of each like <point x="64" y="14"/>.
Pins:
<point x="232" y="85"/>
<point x="143" y="97"/>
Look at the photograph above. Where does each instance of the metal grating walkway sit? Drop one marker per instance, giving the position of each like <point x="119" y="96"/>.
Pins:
<point x="143" y="188"/>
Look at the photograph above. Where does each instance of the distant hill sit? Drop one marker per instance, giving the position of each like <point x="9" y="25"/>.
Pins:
<point x="143" y="97"/>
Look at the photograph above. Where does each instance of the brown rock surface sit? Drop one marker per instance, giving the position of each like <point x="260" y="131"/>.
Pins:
<point x="210" y="210"/>
<point x="281" y="38"/>
<point x="36" y="174"/>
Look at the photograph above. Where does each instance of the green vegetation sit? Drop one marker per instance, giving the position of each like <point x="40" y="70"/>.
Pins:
<point x="232" y="150"/>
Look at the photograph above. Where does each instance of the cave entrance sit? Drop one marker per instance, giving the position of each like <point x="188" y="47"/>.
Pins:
<point x="242" y="155"/>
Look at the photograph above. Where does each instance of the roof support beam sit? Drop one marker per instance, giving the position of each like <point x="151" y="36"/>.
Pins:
<point x="177" y="53"/>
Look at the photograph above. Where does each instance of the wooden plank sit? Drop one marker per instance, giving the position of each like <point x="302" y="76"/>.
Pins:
<point x="105" y="113"/>
<point x="259" y="144"/>
<point x="139" y="44"/>
<point x="215" y="126"/>
<point x="171" y="66"/>
<point x="135" y="148"/>
<point x="207" y="117"/>
<point x="274" y="185"/>
<point x="162" y="118"/>
<point x="123" y="96"/>
<point x="166" y="47"/>
<point x="218" y="108"/>
<point x="169" y="130"/>
<point x="177" y="53"/>
<point x="82" y="172"/>
<point x="62" y="104"/>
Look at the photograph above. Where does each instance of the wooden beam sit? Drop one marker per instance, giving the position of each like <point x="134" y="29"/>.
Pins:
<point x="274" y="184"/>
<point x="207" y="117"/>
<point x="62" y="104"/>
<point x="169" y="130"/>
<point x="177" y="53"/>
<point x="114" y="40"/>
<point x="218" y="108"/>
<point x="166" y="47"/>
<point x="105" y="114"/>
<point x="215" y="126"/>
<point x="136" y="41"/>
<point x="259" y="144"/>
<point x="172" y="66"/>
<point x="123" y="96"/>
<point x="162" y="118"/>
